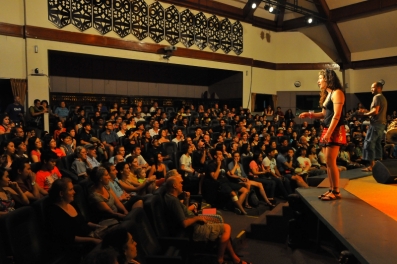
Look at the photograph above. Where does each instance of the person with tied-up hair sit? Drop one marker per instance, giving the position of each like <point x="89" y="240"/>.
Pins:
<point x="66" y="226"/>
<point x="102" y="197"/>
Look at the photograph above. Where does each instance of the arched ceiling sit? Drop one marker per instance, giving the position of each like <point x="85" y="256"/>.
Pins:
<point x="351" y="30"/>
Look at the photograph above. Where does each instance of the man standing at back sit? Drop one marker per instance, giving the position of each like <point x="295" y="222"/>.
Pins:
<point x="372" y="149"/>
<point x="16" y="111"/>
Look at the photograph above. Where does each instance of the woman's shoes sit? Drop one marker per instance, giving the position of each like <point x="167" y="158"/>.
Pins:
<point x="331" y="196"/>
<point x="271" y="205"/>
<point x="324" y="194"/>
<point x="247" y="206"/>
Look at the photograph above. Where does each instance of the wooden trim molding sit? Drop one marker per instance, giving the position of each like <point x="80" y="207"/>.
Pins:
<point x="11" y="30"/>
<point x="306" y="66"/>
<point x="381" y="62"/>
<point x="108" y="42"/>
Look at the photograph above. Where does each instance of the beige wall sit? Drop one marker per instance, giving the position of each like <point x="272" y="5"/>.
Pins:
<point x="12" y="11"/>
<point x="360" y="81"/>
<point x="285" y="47"/>
<point x="12" y="57"/>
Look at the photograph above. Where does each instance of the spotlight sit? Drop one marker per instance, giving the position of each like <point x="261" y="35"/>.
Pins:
<point x="310" y="20"/>
<point x="253" y="5"/>
<point x="271" y="9"/>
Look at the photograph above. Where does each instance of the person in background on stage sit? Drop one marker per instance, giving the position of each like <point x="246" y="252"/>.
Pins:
<point x="332" y="99"/>
<point x="372" y="149"/>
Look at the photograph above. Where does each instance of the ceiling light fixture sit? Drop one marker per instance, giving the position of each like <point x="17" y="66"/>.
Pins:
<point x="253" y="5"/>
<point x="309" y="20"/>
<point x="275" y="7"/>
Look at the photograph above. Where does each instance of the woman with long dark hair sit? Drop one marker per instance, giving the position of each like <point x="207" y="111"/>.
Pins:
<point x="332" y="99"/>
<point x="7" y="151"/>
<point x="9" y="192"/>
<point x="34" y="148"/>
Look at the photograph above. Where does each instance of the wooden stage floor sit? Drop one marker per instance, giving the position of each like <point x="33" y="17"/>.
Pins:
<point x="364" y="220"/>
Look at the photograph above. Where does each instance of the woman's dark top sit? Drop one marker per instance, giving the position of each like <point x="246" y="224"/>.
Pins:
<point x="63" y="228"/>
<point x="329" y="112"/>
<point x="158" y="174"/>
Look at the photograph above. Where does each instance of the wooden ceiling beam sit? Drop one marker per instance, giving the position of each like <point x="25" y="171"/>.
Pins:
<point x="361" y="9"/>
<point x="294" y="24"/>
<point x="335" y="33"/>
<point x="280" y="16"/>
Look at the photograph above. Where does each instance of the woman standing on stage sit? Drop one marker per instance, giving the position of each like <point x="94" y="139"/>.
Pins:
<point x="332" y="99"/>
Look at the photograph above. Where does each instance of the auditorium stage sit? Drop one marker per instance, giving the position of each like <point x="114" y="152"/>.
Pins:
<point x="364" y="220"/>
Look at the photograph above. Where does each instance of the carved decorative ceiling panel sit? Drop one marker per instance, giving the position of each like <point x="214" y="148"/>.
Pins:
<point x="59" y="12"/>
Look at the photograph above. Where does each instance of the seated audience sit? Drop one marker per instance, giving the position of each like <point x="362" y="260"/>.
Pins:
<point x="49" y="171"/>
<point x="180" y="218"/>
<point x="59" y="129"/>
<point x="66" y="226"/>
<point x="282" y="183"/>
<point x="20" y="148"/>
<point x="9" y="193"/>
<point x="7" y="151"/>
<point x="158" y="169"/>
<point x="285" y="165"/>
<point x="26" y="179"/>
<point x="217" y="172"/>
<point x="5" y="126"/>
<point x="259" y="173"/>
<point x="127" y="199"/>
<point x="34" y="149"/>
<point x="66" y="142"/>
<point x="91" y="155"/>
<point x="103" y="199"/>
<point x="237" y="175"/>
<point x="122" y="242"/>
<point x="123" y="174"/>
<point x="81" y="166"/>
<point x="109" y="138"/>
<point x="51" y="144"/>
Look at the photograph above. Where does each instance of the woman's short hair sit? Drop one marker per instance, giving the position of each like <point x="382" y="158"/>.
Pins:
<point x="58" y="186"/>
<point x="78" y="150"/>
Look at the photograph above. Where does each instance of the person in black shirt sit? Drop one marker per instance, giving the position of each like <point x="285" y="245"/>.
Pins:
<point x="85" y="134"/>
<point x="16" y="111"/>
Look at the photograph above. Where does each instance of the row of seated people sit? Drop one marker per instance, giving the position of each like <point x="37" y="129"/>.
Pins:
<point x="64" y="220"/>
